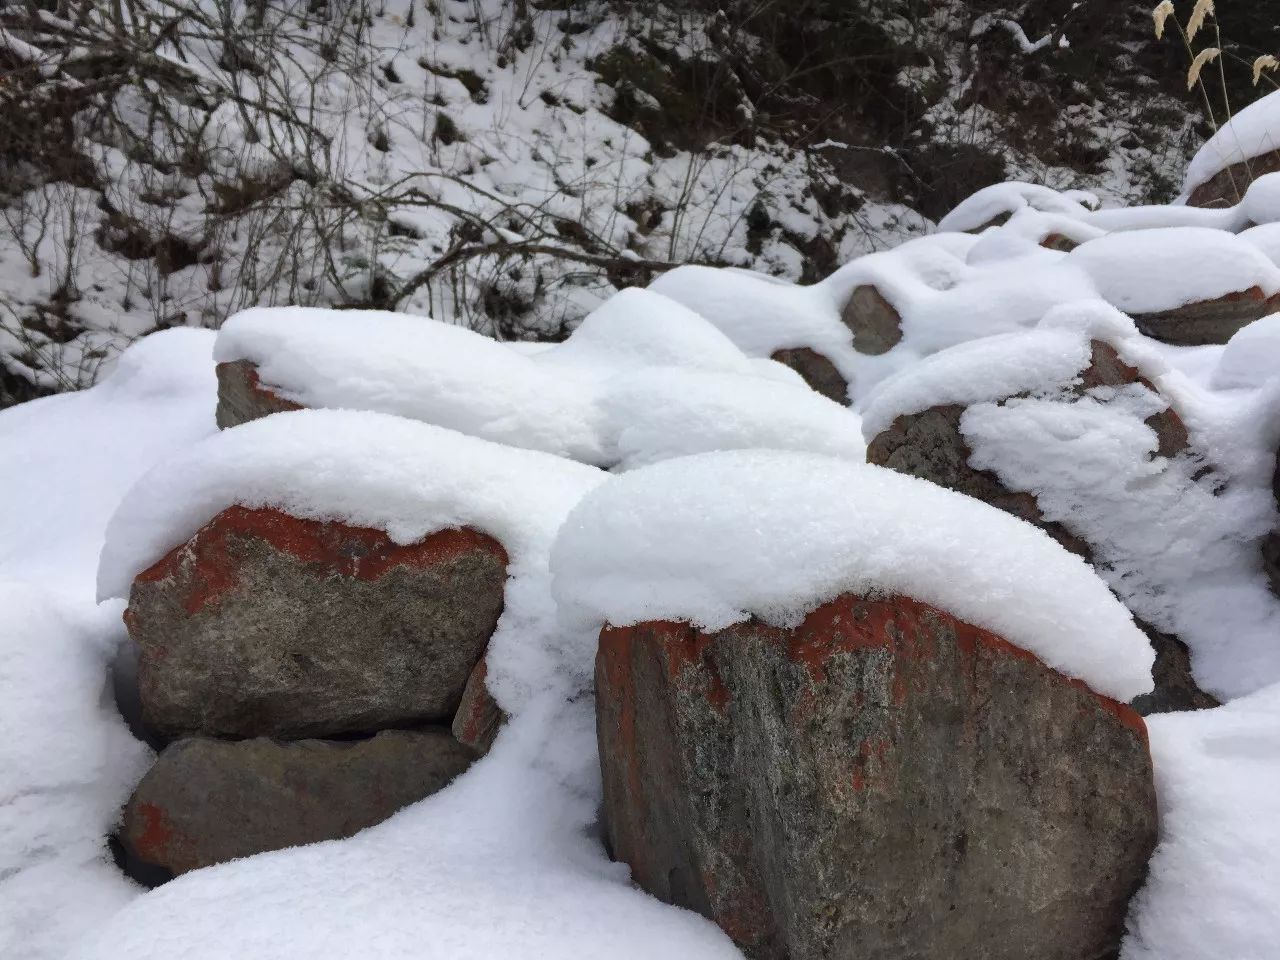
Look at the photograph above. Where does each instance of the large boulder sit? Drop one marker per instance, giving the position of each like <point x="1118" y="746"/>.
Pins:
<point x="931" y="445"/>
<point x="881" y="781"/>
<point x="263" y="624"/>
<point x="243" y="397"/>
<point x="208" y="801"/>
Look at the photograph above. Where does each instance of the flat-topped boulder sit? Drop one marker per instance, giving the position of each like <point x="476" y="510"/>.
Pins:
<point x="264" y="624"/>
<point x="845" y="713"/>
<point x="209" y="801"/>
<point x="881" y="781"/>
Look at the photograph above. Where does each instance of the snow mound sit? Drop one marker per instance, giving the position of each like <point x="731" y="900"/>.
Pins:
<point x="57" y="508"/>
<point x="406" y="478"/>
<point x="641" y="367"/>
<point x="1211" y="890"/>
<point x="673" y="542"/>
<point x="704" y="412"/>
<point x="414" y="367"/>
<point x="1005" y="199"/>
<point x="1251" y="357"/>
<point x="67" y="764"/>
<point x="1253" y="131"/>
<point x="1266" y="237"/>
<point x="1144" y="271"/>
<point x="995" y="367"/>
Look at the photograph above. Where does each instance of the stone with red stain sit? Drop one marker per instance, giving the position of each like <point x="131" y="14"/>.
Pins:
<point x="931" y="445"/>
<point x="882" y="781"/>
<point x="479" y="718"/>
<point x="1208" y="321"/>
<point x="243" y="397"/>
<point x="263" y="624"/>
<point x="209" y="801"/>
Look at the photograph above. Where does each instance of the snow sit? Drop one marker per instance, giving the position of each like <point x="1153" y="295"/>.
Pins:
<point x="414" y="367"/>
<point x="1251" y="357"/>
<point x="1144" y="271"/>
<point x="1253" y="131"/>
<point x="669" y="542"/>
<point x="998" y="366"/>
<point x="1211" y="891"/>
<point x="642" y="378"/>
<point x="1266" y="237"/>
<point x="67" y="762"/>
<point x="159" y="396"/>
<point x="1006" y="198"/>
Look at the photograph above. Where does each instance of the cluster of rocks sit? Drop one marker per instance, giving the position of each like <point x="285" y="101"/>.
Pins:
<point x="310" y="679"/>
<point x="881" y="780"/>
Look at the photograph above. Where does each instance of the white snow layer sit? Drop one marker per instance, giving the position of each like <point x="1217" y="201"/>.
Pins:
<point x="67" y="763"/>
<point x="1253" y="131"/>
<point x="1211" y="892"/>
<point x="717" y="538"/>
<point x="642" y="378"/>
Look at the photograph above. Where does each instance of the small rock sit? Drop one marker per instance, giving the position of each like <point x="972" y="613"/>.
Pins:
<point x="242" y="397"/>
<point x="209" y="801"/>
<point x="263" y="624"/>
<point x="817" y="371"/>
<point x="875" y="324"/>
<point x="882" y="781"/>
<point x="479" y="718"/>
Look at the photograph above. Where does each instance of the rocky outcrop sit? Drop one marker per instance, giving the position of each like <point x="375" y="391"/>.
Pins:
<point x="1227" y="187"/>
<point x="931" y="445"/>
<point x="817" y="371"/>
<point x="263" y="624"/>
<point x="242" y="396"/>
<point x="874" y="322"/>
<point x="1208" y="321"/>
<point x="882" y="781"/>
<point x="208" y="801"/>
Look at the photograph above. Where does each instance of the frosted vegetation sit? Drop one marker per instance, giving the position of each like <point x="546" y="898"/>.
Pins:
<point x="658" y="463"/>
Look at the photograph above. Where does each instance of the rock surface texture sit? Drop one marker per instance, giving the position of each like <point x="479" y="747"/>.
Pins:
<point x="266" y="625"/>
<point x="242" y="397"/>
<point x="875" y="324"/>
<point x="1228" y="186"/>
<point x="882" y="781"/>
<point x="1208" y="321"/>
<point x="209" y="801"/>
<point x="817" y="371"/>
<point x="931" y="445"/>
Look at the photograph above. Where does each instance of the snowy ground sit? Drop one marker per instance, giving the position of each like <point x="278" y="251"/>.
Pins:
<point x="508" y="861"/>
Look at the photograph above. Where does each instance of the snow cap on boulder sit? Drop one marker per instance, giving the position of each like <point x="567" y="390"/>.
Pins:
<point x="717" y="538"/>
